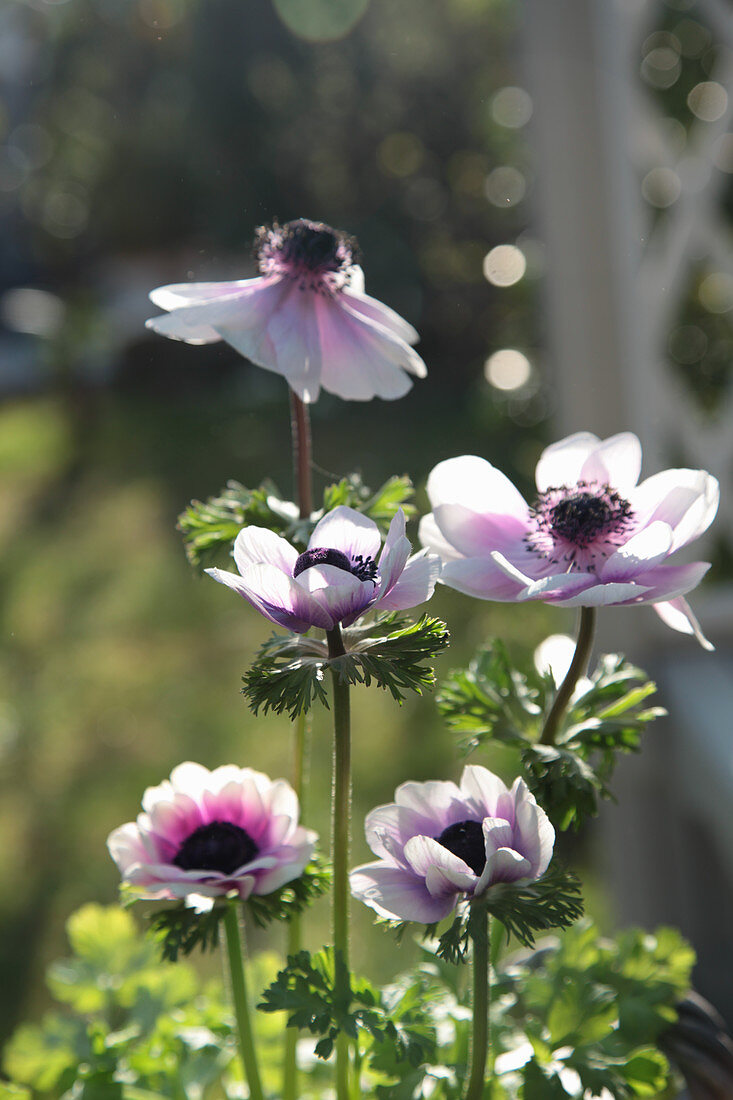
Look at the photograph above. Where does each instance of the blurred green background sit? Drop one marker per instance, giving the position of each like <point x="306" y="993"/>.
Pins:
<point x="144" y="140"/>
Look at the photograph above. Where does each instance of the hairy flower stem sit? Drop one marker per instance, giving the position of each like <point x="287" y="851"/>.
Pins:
<point x="479" y="930"/>
<point x="300" y="429"/>
<point x="301" y="446"/>
<point x="295" y="938"/>
<point x="341" y="816"/>
<point x="578" y="665"/>
<point x="241" y="1005"/>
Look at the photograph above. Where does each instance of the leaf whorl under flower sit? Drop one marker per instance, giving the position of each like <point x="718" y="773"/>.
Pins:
<point x="288" y="674"/>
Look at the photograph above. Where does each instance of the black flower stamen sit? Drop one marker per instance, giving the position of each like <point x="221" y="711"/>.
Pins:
<point x="359" y="566"/>
<point x="218" y="846"/>
<point x="465" y="839"/>
<point x="580" y="523"/>
<point x="364" y="568"/>
<point x="312" y="253"/>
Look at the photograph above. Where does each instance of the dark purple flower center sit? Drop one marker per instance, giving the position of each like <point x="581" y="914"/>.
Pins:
<point x="577" y="523"/>
<point x="363" y="568"/>
<point x="218" y="846"/>
<point x="312" y="253"/>
<point x="465" y="839"/>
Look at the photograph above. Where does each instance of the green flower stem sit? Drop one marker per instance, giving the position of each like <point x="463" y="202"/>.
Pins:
<point x="241" y="1005"/>
<point x="300" y="428"/>
<point x="301" y="447"/>
<point x="479" y="929"/>
<point x="341" y="816"/>
<point x="295" y="938"/>
<point x="578" y="665"/>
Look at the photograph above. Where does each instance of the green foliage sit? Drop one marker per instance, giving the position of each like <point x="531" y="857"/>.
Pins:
<point x="594" y="1006"/>
<point x="523" y="908"/>
<point x="210" y="527"/>
<point x="133" y="1026"/>
<point x="181" y="928"/>
<point x="400" y="1036"/>
<point x="288" y="673"/>
<point x="608" y="714"/>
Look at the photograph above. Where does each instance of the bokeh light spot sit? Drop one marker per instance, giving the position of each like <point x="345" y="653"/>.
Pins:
<point x="504" y="265"/>
<point x="26" y="309"/>
<point x="507" y="369"/>
<point x="505" y="186"/>
<point x="716" y="292"/>
<point x="511" y="107"/>
<point x="708" y="101"/>
<point x="320" y="20"/>
<point x="661" y="187"/>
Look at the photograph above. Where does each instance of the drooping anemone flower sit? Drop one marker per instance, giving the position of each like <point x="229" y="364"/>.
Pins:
<point x="593" y="535"/>
<point x="305" y="316"/>
<point x="213" y="833"/>
<point x="439" y="843"/>
<point x="341" y="575"/>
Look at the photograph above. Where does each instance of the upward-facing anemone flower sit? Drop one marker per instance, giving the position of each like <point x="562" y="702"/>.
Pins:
<point x="305" y="316"/>
<point x="439" y="844"/>
<point x="593" y="536"/>
<point x="232" y="830"/>
<point x="341" y="575"/>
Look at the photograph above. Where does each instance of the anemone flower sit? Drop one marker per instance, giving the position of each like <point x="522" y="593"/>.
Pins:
<point x="440" y="843"/>
<point x="341" y="575"/>
<point x="592" y="537"/>
<point x="228" y="831"/>
<point x="305" y="316"/>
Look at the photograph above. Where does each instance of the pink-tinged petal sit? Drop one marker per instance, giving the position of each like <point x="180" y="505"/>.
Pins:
<point x="293" y="332"/>
<point x="444" y="872"/>
<point x="505" y="865"/>
<point x="341" y="595"/>
<point x="246" y="326"/>
<point x="388" y="828"/>
<point x="481" y="578"/>
<point x="685" y="499"/>
<point x="347" y="530"/>
<point x="477" y="485"/>
<point x="186" y="329"/>
<point x="280" y="798"/>
<point x="666" y="582"/>
<point x="257" y="546"/>
<point x="615" y="461"/>
<point x="559" y="586"/>
<point x="482" y="789"/>
<point x="415" y="585"/>
<point x="534" y="835"/>
<point x="436" y="801"/>
<point x="374" y="310"/>
<point x="678" y="615"/>
<point x="186" y="294"/>
<point x="126" y="847"/>
<point x="432" y="539"/>
<point x="397" y="352"/>
<point x="279" y="598"/>
<point x="395" y="552"/>
<point x="207" y="321"/>
<point x="397" y="895"/>
<point x="362" y="360"/>
<point x="476" y="534"/>
<point x="643" y="551"/>
<point x="189" y="778"/>
<point x="498" y="833"/>
<point x="604" y="595"/>
<point x="561" y="463"/>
